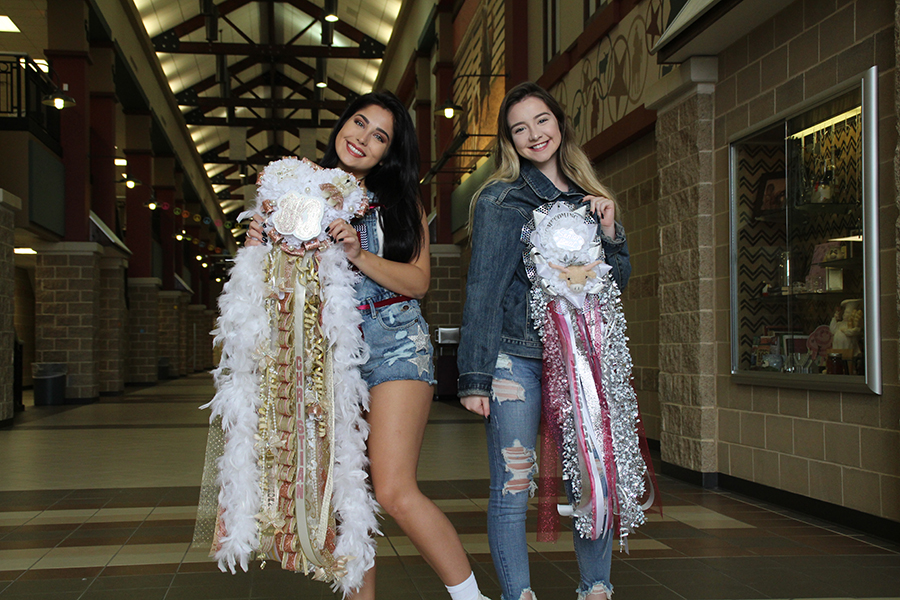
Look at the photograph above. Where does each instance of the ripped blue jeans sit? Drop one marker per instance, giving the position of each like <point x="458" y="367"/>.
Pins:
<point x="512" y="437"/>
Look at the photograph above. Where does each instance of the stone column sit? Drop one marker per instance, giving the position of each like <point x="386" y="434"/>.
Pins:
<point x="67" y="314"/>
<point x="424" y="117"/>
<point x="164" y="189"/>
<point x="170" y="332"/>
<point x="139" y="224"/>
<point x="113" y="320"/>
<point x="210" y="355"/>
<point x="69" y="55"/>
<point x="184" y="300"/>
<point x="9" y="205"/>
<point x="197" y="336"/>
<point x="443" y="73"/>
<point x="103" y="133"/>
<point x="178" y="224"/>
<point x="897" y="164"/>
<point x="687" y="358"/>
<point x="142" y="359"/>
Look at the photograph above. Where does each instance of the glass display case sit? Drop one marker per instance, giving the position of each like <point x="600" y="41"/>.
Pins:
<point x="804" y="273"/>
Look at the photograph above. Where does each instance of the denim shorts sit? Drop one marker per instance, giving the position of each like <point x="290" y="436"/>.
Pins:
<point x="399" y="344"/>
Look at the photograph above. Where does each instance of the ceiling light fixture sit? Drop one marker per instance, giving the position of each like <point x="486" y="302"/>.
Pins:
<point x="321" y="73"/>
<point x="130" y="182"/>
<point x="59" y="99"/>
<point x="448" y="109"/>
<point x="55" y="92"/>
<point x="331" y="11"/>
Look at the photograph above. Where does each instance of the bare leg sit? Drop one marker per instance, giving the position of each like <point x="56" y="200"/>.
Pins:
<point x="367" y="591"/>
<point x="397" y="417"/>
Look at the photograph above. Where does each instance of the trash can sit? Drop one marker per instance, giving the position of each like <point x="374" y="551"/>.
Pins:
<point x="49" y="383"/>
<point x="446" y="373"/>
<point x="164" y="368"/>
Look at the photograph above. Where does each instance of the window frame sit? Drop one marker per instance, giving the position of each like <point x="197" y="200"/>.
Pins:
<point x="871" y="381"/>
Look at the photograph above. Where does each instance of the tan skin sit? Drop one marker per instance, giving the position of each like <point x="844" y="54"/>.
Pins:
<point x="398" y="410"/>
<point x="537" y="137"/>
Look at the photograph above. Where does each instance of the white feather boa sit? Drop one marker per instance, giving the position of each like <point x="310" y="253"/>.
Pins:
<point x="353" y="500"/>
<point x="243" y="330"/>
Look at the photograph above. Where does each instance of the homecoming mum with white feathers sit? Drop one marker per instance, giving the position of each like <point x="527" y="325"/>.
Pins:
<point x="375" y="141"/>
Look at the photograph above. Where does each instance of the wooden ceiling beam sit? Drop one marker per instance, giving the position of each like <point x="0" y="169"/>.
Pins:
<point x="290" y="125"/>
<point x="305" y="69"/>
<point x="345" y="29"/>
<point x="205" y="84"/>
<point x="197" y="22"/>
<point x="209" y="103"/>
<point x="267" y="51"/>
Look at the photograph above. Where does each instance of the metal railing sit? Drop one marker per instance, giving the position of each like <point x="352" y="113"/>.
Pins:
<point x="23" y="85"/>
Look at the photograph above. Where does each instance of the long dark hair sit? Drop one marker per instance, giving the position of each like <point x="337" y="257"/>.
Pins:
<point x="395" y="182"/>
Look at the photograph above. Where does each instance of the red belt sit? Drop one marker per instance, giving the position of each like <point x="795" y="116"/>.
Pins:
<point x="387" y="302"/>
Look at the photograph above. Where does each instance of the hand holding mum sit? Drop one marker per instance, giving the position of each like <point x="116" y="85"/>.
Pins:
<point x="605" y="209"/>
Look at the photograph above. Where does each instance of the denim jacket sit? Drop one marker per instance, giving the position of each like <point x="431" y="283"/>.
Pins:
<point x="497" y="313"/>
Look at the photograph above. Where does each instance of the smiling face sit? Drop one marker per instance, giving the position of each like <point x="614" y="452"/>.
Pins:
<point x="364" y="140"/>
<point x="534" y="131"/>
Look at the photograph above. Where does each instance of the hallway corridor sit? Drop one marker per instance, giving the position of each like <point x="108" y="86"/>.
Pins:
<point x="98" y="502"/>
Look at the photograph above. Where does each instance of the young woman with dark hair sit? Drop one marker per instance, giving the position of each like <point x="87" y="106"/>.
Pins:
<point x="375" y="141"/>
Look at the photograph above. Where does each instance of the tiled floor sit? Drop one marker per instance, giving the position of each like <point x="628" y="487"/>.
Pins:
<point x="98" y="502"/>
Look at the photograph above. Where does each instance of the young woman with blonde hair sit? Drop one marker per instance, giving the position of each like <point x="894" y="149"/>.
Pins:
<point x="537" y="161"/>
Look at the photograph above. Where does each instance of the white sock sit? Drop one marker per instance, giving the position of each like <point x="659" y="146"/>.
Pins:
<point x="467" y="590"/>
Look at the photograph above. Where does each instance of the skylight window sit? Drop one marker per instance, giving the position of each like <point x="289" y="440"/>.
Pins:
<point x="7" y="25"/>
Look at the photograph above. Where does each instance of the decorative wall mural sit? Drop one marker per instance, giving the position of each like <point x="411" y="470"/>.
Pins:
<point x="612" y="79"/>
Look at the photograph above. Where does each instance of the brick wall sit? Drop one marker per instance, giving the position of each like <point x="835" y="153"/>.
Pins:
<point x="842" y="448"/>
<point x="443" y="303"/>
<point x="143" y="330"/>
<point x="442" y="307"/>
<point x="632" y="174"/>
<point x="67" y="314"/>
<point x="113" y="319"/>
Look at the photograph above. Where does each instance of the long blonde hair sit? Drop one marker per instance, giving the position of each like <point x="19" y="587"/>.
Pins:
<point x="572" y="160"/>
